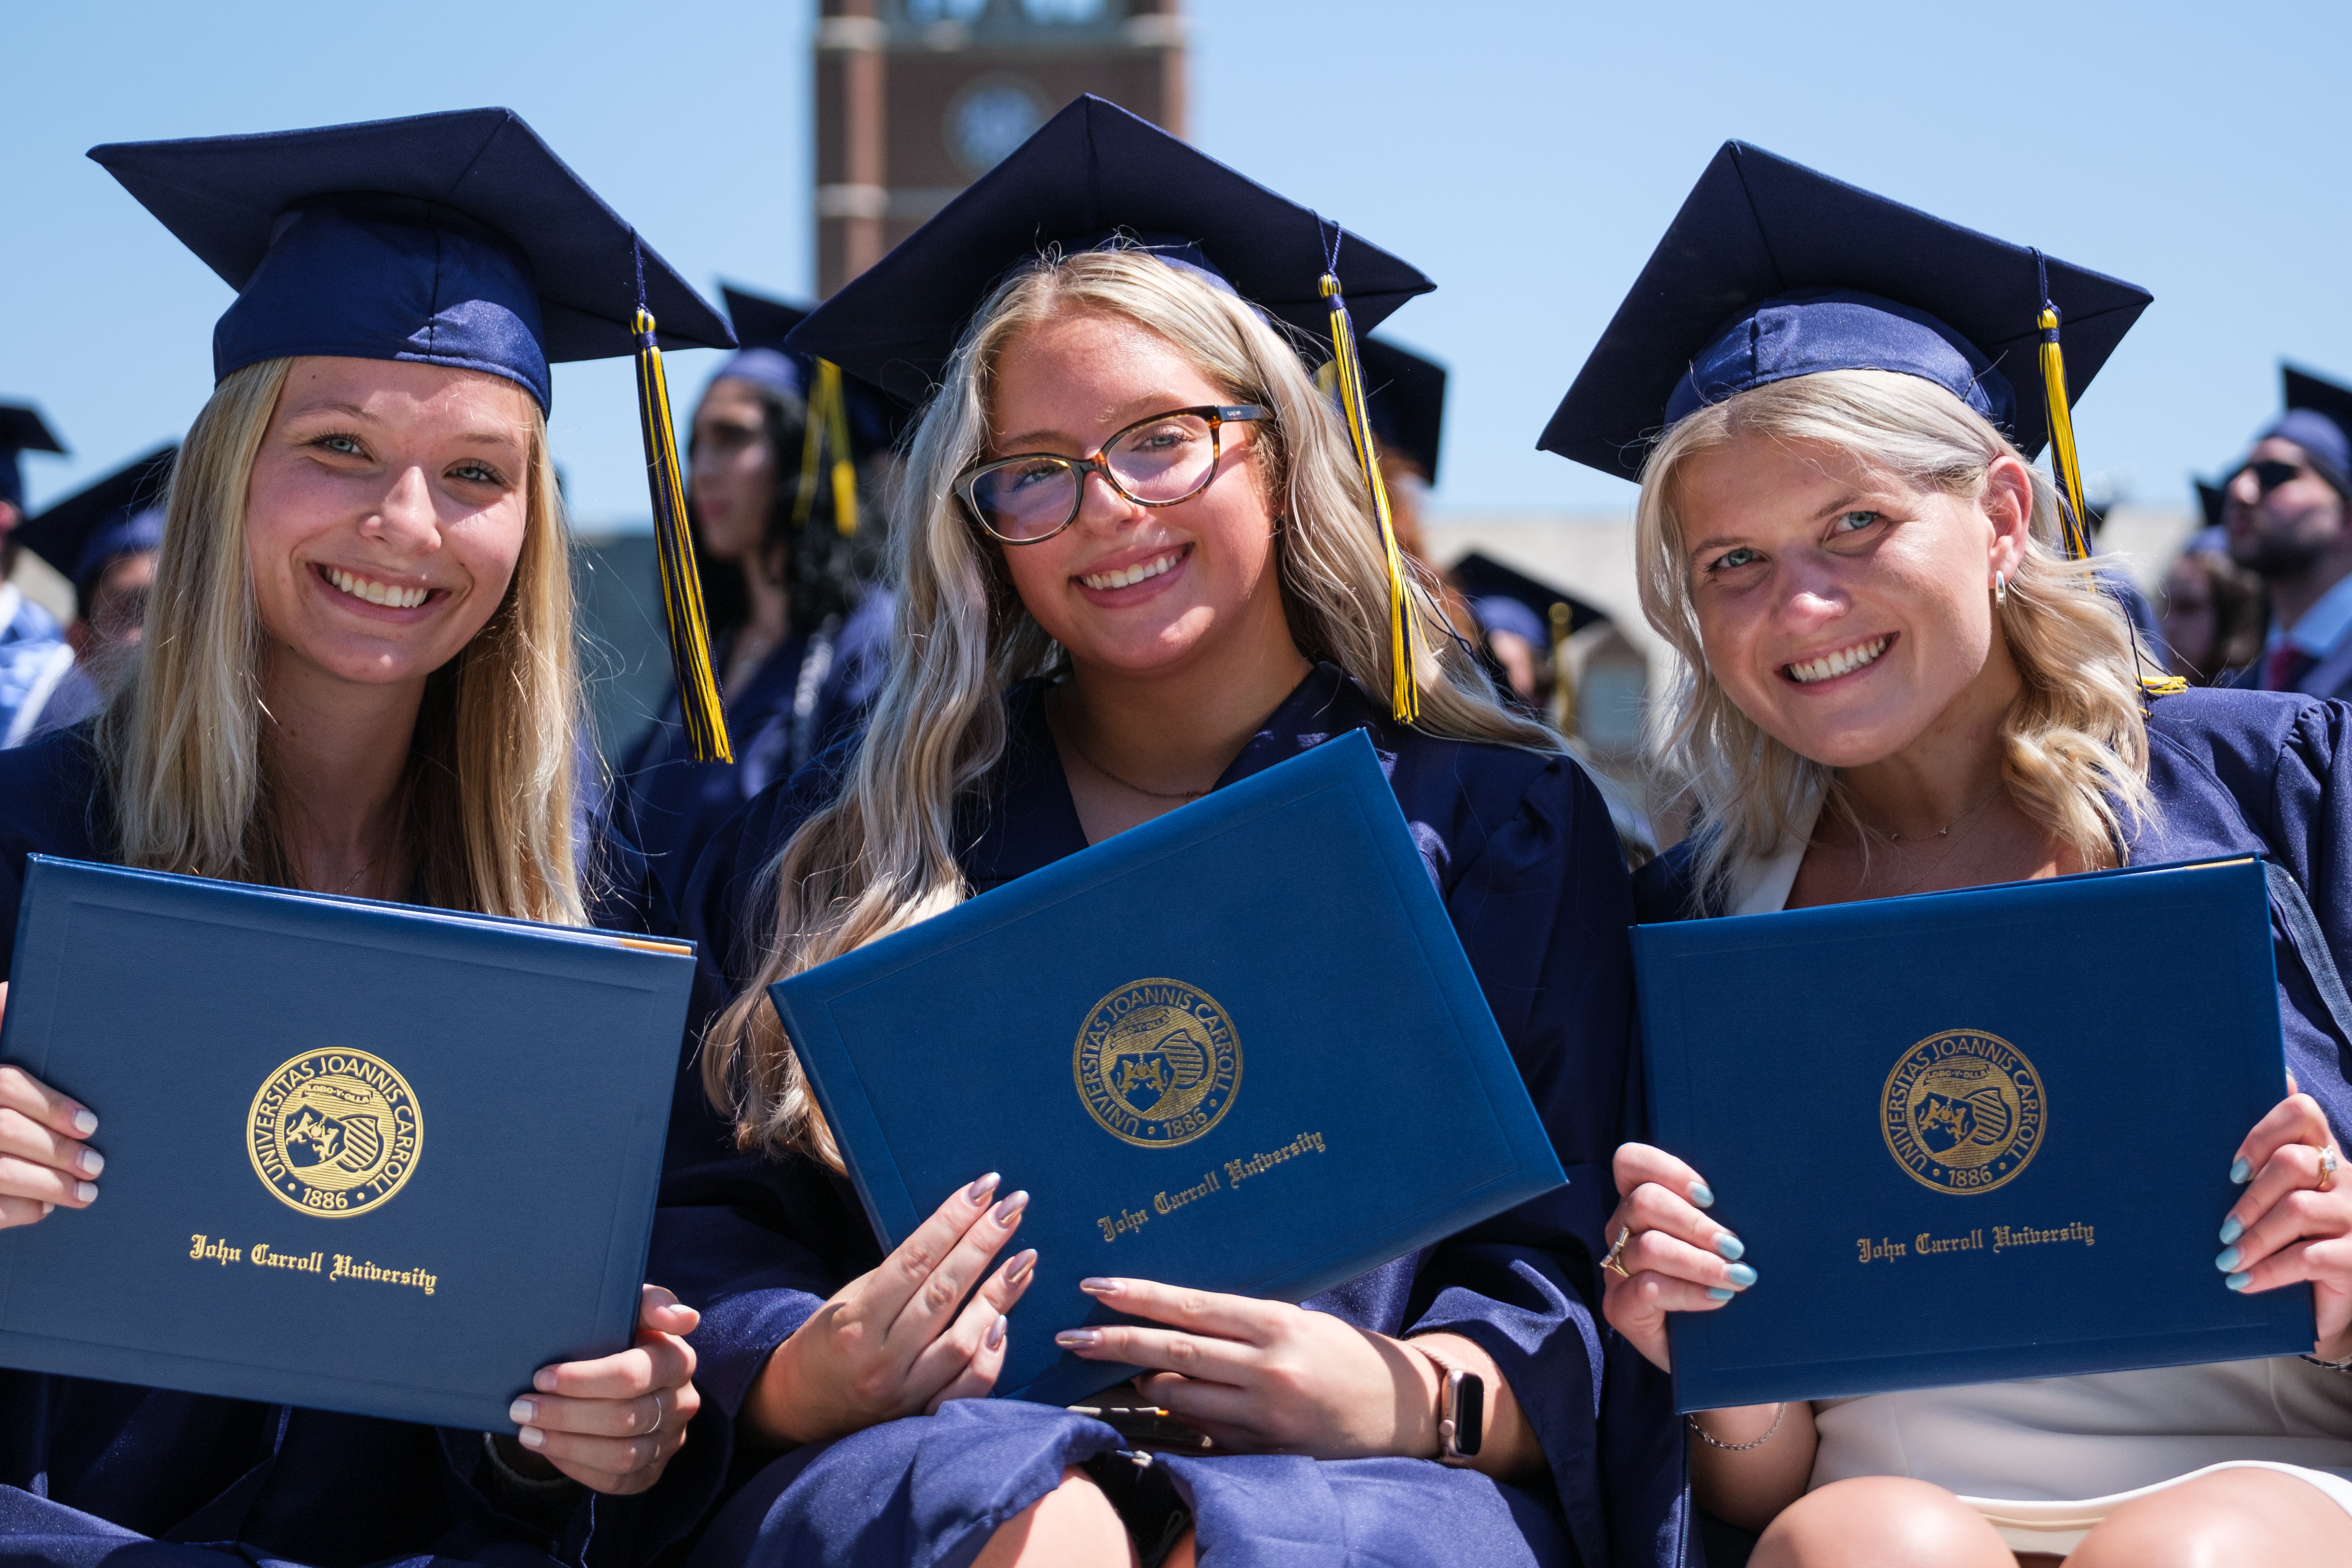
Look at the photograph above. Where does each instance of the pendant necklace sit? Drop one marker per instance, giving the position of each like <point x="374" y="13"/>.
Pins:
<point x="1071" y="735"/>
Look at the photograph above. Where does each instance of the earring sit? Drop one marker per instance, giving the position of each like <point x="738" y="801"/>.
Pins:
<point x="2000" y="589"/>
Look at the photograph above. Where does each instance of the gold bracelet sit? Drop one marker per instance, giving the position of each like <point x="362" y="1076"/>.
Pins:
<point x="1715" y="1442"/>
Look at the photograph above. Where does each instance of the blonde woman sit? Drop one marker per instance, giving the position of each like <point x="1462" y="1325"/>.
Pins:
<point x="1135" y="561"/>
<point x="1895" y="682"/>
<point x="357" y="679"/>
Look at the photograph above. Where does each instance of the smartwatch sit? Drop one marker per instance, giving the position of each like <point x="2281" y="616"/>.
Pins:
<point x="1461" y="1412"/>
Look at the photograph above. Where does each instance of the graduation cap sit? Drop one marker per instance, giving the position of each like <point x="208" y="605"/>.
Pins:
<point x="455" y="239"/>
<point x="115" y="516"/>
<point x="1489" y="585"/>
<point x="2210" y="498"/>
<point x="1096" y="176"/>
<point x="1770" y="270"/>
<point x="1407" y="399"/>
<point x="2318" y="418"/>
<point x="851" y="417"/>
<point x="22" y="429"/>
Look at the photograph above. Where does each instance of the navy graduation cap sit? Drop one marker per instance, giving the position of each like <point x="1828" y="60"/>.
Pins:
<point x="113" y="517"/>
<point x="761" y="326"/>
<point x="2210" y="498"/>
<point x="1406" y="394"/>
<point x="848" y="420"/>
<point x="22" y="429"/>
<point x="455" y="239"/>
<point x="2318" y="418"/>
<point x="1772" y="270"/>
<point x="1096" y="176"/>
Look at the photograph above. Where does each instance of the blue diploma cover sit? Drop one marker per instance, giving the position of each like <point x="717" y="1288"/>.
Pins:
<point x="360" y="1156"/>
<point x="1972" y="1136"/>
<point x="1237" y="1049"/>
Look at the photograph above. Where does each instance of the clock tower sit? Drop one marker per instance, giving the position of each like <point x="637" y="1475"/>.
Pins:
<point x="916" y="99"/>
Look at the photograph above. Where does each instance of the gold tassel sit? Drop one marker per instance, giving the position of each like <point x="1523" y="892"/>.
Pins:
<point x="2061" y="439"/>
<point x="828" y="421"/>
<point x="1404" y="688"/>
<point x="689" y="631"/>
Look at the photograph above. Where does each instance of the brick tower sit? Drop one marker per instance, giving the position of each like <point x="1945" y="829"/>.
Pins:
<point x="916" y="99"/>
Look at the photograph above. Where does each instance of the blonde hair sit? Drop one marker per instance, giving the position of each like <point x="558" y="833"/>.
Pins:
<point x="2075" y="743"/>
<point x="882" y="854"/>
<point x="185" y="749"/>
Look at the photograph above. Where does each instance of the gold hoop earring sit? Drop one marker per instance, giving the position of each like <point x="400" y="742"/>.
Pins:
<point x="2000" y="589"/>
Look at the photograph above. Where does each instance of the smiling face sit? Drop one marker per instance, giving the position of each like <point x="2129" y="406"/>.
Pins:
<point x="1843" y="612"/>
<point x="385" y="514"/>
<point x="1136" y="589"/>
<point x="733" y="477"/>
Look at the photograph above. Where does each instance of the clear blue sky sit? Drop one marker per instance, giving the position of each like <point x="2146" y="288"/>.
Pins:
<point x="1526" y="155"/>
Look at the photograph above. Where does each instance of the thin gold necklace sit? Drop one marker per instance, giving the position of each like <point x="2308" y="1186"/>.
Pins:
<point x="1071" y="735"/>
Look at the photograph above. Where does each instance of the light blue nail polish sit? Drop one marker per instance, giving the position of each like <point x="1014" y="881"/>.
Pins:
<point x="1731" y="1247"/>
<point x="1740" y="1276"/>
<point x="2228" y="1261"/>
<point x="2240" y="1172"/>
<point x="1719" y="1292"/>
<point x="2231" y="1230"/>
<point x="1701" y="1195"/>
<point x="2237" y="1282"/>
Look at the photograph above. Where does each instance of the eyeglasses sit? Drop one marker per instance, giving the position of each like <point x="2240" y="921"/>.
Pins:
<point x="1159" y="461"/>
<point x="2269" y="474"/>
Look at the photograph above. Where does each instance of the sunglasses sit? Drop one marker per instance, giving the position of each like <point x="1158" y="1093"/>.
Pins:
<point x="2269" y="474"/>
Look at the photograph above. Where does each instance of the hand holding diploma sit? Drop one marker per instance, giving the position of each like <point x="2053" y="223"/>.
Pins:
<point x="2295" y="1221"/>
<point x="891" y="1343"/>
<point x="613" y="1424"/>
<point x="43" y="1162"/>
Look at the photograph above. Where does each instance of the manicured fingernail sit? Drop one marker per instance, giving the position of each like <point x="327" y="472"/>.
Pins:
<point x="1009" y="1207"/>
<point x="1701" y="1195"/>
<point x="1731" y="1247"/>
<point x="1078" y="1338"/>
<point x="1099" y="1287"/>
<point x="1720" y="1292"/>
<point x="2237" y="1282"/>
<point x="85" y="1122"/>
<point x="86" y="1191"/>
<point x="978" y="1192"/>
<point x="532" y="1438"/>
<point x="2240" y="1172"/>
<point x="543" y="1380"/>
<point x="1017" y="1271"/>
<point x="1740" y="1276"/>
<point x="522" y="1412"/>
<point x="91" y="1162"/>
<point x="2227" y="1260"/>
<point x="2231" y="1230"/>
<point x="996" y="1332"/>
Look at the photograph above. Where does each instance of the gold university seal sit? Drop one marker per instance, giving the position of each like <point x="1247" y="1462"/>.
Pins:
<point x="333" y="1132"/>
<point x="1963" y="1111"/>
<point x="1157" y="1062"/>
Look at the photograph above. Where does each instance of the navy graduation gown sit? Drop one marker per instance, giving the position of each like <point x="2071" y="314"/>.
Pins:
<point x="2233" y="772"/>
<point x="810" y="691"/>
<point x="88" y="1468"/>
<point x="1522" y="848"/>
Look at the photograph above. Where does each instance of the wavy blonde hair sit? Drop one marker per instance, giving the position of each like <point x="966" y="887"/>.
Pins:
<point x="882" y="854"/>
<point x="184" y="744"/>
<point x="2075" y="744"/>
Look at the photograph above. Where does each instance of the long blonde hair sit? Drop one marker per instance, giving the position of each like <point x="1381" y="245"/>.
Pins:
<point x="882" y="855"/>
<point x="184" y="748"/>
<point x="2075" y="743"/>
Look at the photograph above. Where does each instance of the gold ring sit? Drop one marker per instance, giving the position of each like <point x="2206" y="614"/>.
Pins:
<point x="2327" y="1164"/>
<point x="1610" y="1262"/>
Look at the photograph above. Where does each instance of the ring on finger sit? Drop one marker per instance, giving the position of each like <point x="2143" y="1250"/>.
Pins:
<point x="2327" y="1167"/>
<point x="659" y="1414"/>
<point x="1616" y="1250"/>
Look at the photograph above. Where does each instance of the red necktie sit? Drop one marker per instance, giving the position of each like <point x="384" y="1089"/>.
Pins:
<point x="2287" y="665"/>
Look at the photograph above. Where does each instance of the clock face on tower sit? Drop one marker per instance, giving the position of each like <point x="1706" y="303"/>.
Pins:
<point x="990" y="118"/>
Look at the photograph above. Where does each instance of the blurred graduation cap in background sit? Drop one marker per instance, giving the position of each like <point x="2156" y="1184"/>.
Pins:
<point x="1405" y="393"/>
<point x="1098" y="177"/>
<point x="118" y="515"/>
<point x="22" y="430"/>
<point x="2318" y="418"/>
<point x="455" y="239"/>
<point x="848" y="420"/>
<point x="2210" y="498"/>
<point x="1772" y="270"/>
<point x="1507" y="599"/>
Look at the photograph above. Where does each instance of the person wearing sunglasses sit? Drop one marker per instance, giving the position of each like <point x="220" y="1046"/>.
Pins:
<point x="2285" y="510"/>
<point x="1135" y="560"/>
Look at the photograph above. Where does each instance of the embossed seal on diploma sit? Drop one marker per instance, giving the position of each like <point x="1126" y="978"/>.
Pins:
<point x="334" y="1133"/>
<point x="1963" y="1111"/>
<point x="1157" y="1063"/>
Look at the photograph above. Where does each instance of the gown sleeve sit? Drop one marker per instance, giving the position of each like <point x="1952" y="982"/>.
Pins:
<point x="1542" y="910"/>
